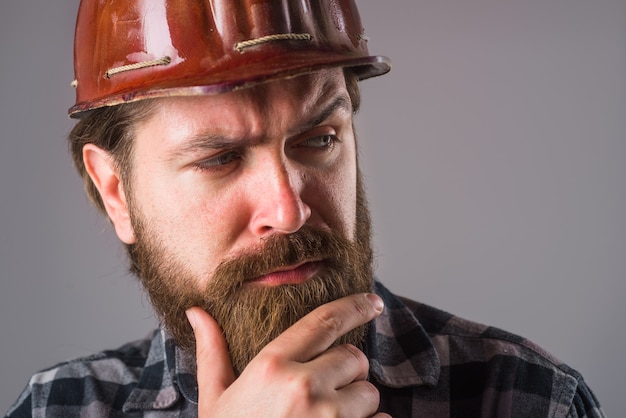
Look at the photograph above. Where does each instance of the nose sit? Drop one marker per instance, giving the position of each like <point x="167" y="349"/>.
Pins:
<point x="278" y="204"/>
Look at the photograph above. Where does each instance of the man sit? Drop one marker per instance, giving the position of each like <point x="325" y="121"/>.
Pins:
<point x="218" y="138"/>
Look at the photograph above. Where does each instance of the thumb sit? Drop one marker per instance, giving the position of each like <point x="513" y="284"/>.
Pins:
<point x="215" y="371"/>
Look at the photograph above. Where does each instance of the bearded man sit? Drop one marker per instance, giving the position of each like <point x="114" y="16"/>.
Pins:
<point x="218" y="138"/>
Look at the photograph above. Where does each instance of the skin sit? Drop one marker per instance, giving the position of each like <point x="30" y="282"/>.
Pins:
<point x="215" y="175"/>
<point x="296" y="375"/>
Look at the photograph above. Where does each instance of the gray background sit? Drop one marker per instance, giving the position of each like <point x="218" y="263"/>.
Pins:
<point x="495" y="158"/>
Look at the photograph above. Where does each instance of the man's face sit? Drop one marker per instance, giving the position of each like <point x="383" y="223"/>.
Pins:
<point x="247" y="204"/>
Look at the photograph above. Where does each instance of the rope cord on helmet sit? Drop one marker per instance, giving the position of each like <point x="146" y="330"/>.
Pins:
<point x="136" y="66"/>
<point x="240" y="46"/>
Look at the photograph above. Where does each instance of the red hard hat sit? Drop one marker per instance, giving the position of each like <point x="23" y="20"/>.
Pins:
<point x="131" y="50"/>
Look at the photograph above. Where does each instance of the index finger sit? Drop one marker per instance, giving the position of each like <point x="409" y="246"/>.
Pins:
<point x="320" y="328"/>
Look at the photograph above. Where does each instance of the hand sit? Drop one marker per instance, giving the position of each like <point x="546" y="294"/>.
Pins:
<point x="297" y="374"/>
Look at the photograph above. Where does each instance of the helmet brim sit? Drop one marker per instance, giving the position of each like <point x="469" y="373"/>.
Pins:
<point x="212" y="83"/>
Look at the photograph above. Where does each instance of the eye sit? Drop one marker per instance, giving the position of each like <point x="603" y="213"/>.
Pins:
<point x="219" y="161"/>
<point x="322" y="141"/>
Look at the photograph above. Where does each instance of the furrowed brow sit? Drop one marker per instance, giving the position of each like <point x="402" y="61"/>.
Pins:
<point x="210" y="141"/>
<point x="339" y="103"/>
<point x="205" y="142"/>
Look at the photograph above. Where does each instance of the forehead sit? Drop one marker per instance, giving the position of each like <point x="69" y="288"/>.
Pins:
<point x="306" y="90"/>
<point x="250" y="111"/>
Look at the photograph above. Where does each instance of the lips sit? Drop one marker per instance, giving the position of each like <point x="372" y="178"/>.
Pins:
<point x="289" y="275"/>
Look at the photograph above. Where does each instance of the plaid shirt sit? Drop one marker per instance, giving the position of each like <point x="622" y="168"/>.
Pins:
<point x="425" y="363"/>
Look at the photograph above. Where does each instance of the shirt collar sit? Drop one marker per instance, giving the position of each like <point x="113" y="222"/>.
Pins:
<point x="155" y="388"/>
<point x="400" y="351"/>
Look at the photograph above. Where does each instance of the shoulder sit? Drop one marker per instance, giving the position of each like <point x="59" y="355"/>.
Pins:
<point x="495" y="366"/>
<point x="68" y="387"/>
<point x="464" y="340"/>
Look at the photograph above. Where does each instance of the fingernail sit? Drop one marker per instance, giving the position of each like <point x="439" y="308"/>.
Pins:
<point x="191" y="317"/>
<point x="376" y="301"/>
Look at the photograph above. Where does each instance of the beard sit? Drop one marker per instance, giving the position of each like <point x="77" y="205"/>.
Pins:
<point x="252" y="316"/>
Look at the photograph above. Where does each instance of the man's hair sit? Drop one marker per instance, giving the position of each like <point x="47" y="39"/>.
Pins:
<point x="113" y="129"/>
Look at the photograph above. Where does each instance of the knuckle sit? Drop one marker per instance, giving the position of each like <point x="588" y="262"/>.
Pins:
<point x="370" y="392"/>
<point x="307" y="386"/>
<point x="361" y="307"/>
<point x="328" y="410"/>
<point x="304" y="387"/>
<point x="356" y="355"/>
<point x="270" y="365"/>
<point x="329" y="322"/>
<point x="361" y="310"/>
<point x="354" y="311"/>
<point x="368" y="397"/>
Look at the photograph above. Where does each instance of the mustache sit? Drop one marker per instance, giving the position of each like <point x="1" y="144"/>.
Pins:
<point x="277" y="251"/>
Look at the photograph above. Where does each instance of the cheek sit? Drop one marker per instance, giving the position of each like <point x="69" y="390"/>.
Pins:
<point x="347" y="202"/>
<point x="209" y="224"/>
<point x="335" y="199"/>
<point x="195" y="228"/>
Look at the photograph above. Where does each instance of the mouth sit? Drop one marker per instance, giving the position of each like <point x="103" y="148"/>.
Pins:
<point x="295" y="274"/>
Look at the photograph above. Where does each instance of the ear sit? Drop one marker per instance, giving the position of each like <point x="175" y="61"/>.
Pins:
<point x="101" y="168"/>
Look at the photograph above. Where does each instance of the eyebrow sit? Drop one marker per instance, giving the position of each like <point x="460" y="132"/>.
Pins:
<point x="340" y="102"/>
<point x="208" y="141"/>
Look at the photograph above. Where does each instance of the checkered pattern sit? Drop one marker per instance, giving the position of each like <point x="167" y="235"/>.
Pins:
<point x="428" y="363"/>
<point x="425" y="363"/>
